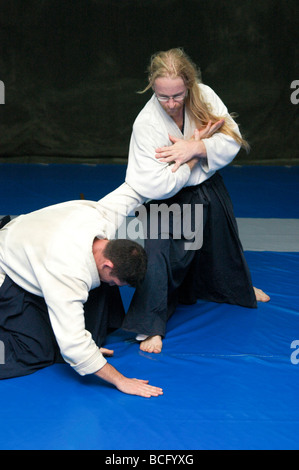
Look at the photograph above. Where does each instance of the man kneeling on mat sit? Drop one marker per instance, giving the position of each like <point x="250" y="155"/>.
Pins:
<point x="59" y="296"/>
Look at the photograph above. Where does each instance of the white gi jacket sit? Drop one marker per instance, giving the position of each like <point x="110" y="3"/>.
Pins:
<point x="155" y="180"/>
<point x="148" y="178"/>
<point x="49" y="254"/>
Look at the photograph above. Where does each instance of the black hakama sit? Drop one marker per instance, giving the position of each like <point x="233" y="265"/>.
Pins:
<point x="27" y="340"/>
<point x="216" y="272"/>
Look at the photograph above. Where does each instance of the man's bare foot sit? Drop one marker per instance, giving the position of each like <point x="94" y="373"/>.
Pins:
<point x="260" y="295"/>
<point x="153" y="344"/>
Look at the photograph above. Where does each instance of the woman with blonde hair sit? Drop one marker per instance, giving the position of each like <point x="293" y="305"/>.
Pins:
<point x="174" y="64"/>
<point x="180" y="139"/>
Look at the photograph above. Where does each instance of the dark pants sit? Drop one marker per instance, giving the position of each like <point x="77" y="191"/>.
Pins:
<point x="26" y="334"/>
<point x="216" y="272"/>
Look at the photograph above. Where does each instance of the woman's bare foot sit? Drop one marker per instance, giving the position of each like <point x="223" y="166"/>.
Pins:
<point x="260" y="295"/>
<point x="153" y="344"/>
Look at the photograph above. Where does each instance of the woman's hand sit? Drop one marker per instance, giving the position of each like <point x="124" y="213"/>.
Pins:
<point x="182" y="151"/>
<point x="210" y="129"/>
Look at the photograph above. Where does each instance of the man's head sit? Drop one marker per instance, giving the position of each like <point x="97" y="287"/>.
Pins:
<point x="122" y="262"/>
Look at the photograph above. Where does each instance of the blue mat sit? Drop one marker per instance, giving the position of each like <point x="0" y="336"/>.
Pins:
<point x="230" y="374"/>
<point x="255" y="191"/>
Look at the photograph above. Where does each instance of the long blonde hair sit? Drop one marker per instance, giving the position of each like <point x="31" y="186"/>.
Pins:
<point x="176" y="63"/>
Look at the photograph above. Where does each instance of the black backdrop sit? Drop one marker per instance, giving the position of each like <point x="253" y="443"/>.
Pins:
<point x="71" y="70"/>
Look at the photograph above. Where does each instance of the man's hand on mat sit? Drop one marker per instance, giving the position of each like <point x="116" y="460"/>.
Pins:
<point x="126" y="385"/>
<point x="139" y="387"/>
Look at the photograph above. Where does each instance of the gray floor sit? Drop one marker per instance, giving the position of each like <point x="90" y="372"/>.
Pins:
<point x="269" y="234"/>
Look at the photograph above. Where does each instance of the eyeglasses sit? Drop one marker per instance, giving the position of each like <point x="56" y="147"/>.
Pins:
<point x="178" y="97"/>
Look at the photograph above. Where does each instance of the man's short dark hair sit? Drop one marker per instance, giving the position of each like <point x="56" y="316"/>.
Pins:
<point x="129" y="260"/>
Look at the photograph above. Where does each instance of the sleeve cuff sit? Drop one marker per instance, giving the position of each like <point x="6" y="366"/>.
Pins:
<point x="92" y="365"/>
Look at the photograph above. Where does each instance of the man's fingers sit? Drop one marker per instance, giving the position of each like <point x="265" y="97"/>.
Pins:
<point x="107" y="352"/>
<point x="149" y="390"/>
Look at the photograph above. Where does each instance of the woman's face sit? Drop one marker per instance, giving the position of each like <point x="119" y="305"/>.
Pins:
<point x="171" y="94"/>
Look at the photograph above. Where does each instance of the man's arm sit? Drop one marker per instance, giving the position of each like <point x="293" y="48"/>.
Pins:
<point x="126" y="385"/>
<point x="116" y="206"/>
<point x="149" y="177"/>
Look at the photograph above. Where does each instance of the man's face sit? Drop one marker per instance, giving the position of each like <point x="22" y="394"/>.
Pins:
<point x="171" y="94"/>
<point x="111" y="280"/>
<point x="105" y="275"/>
